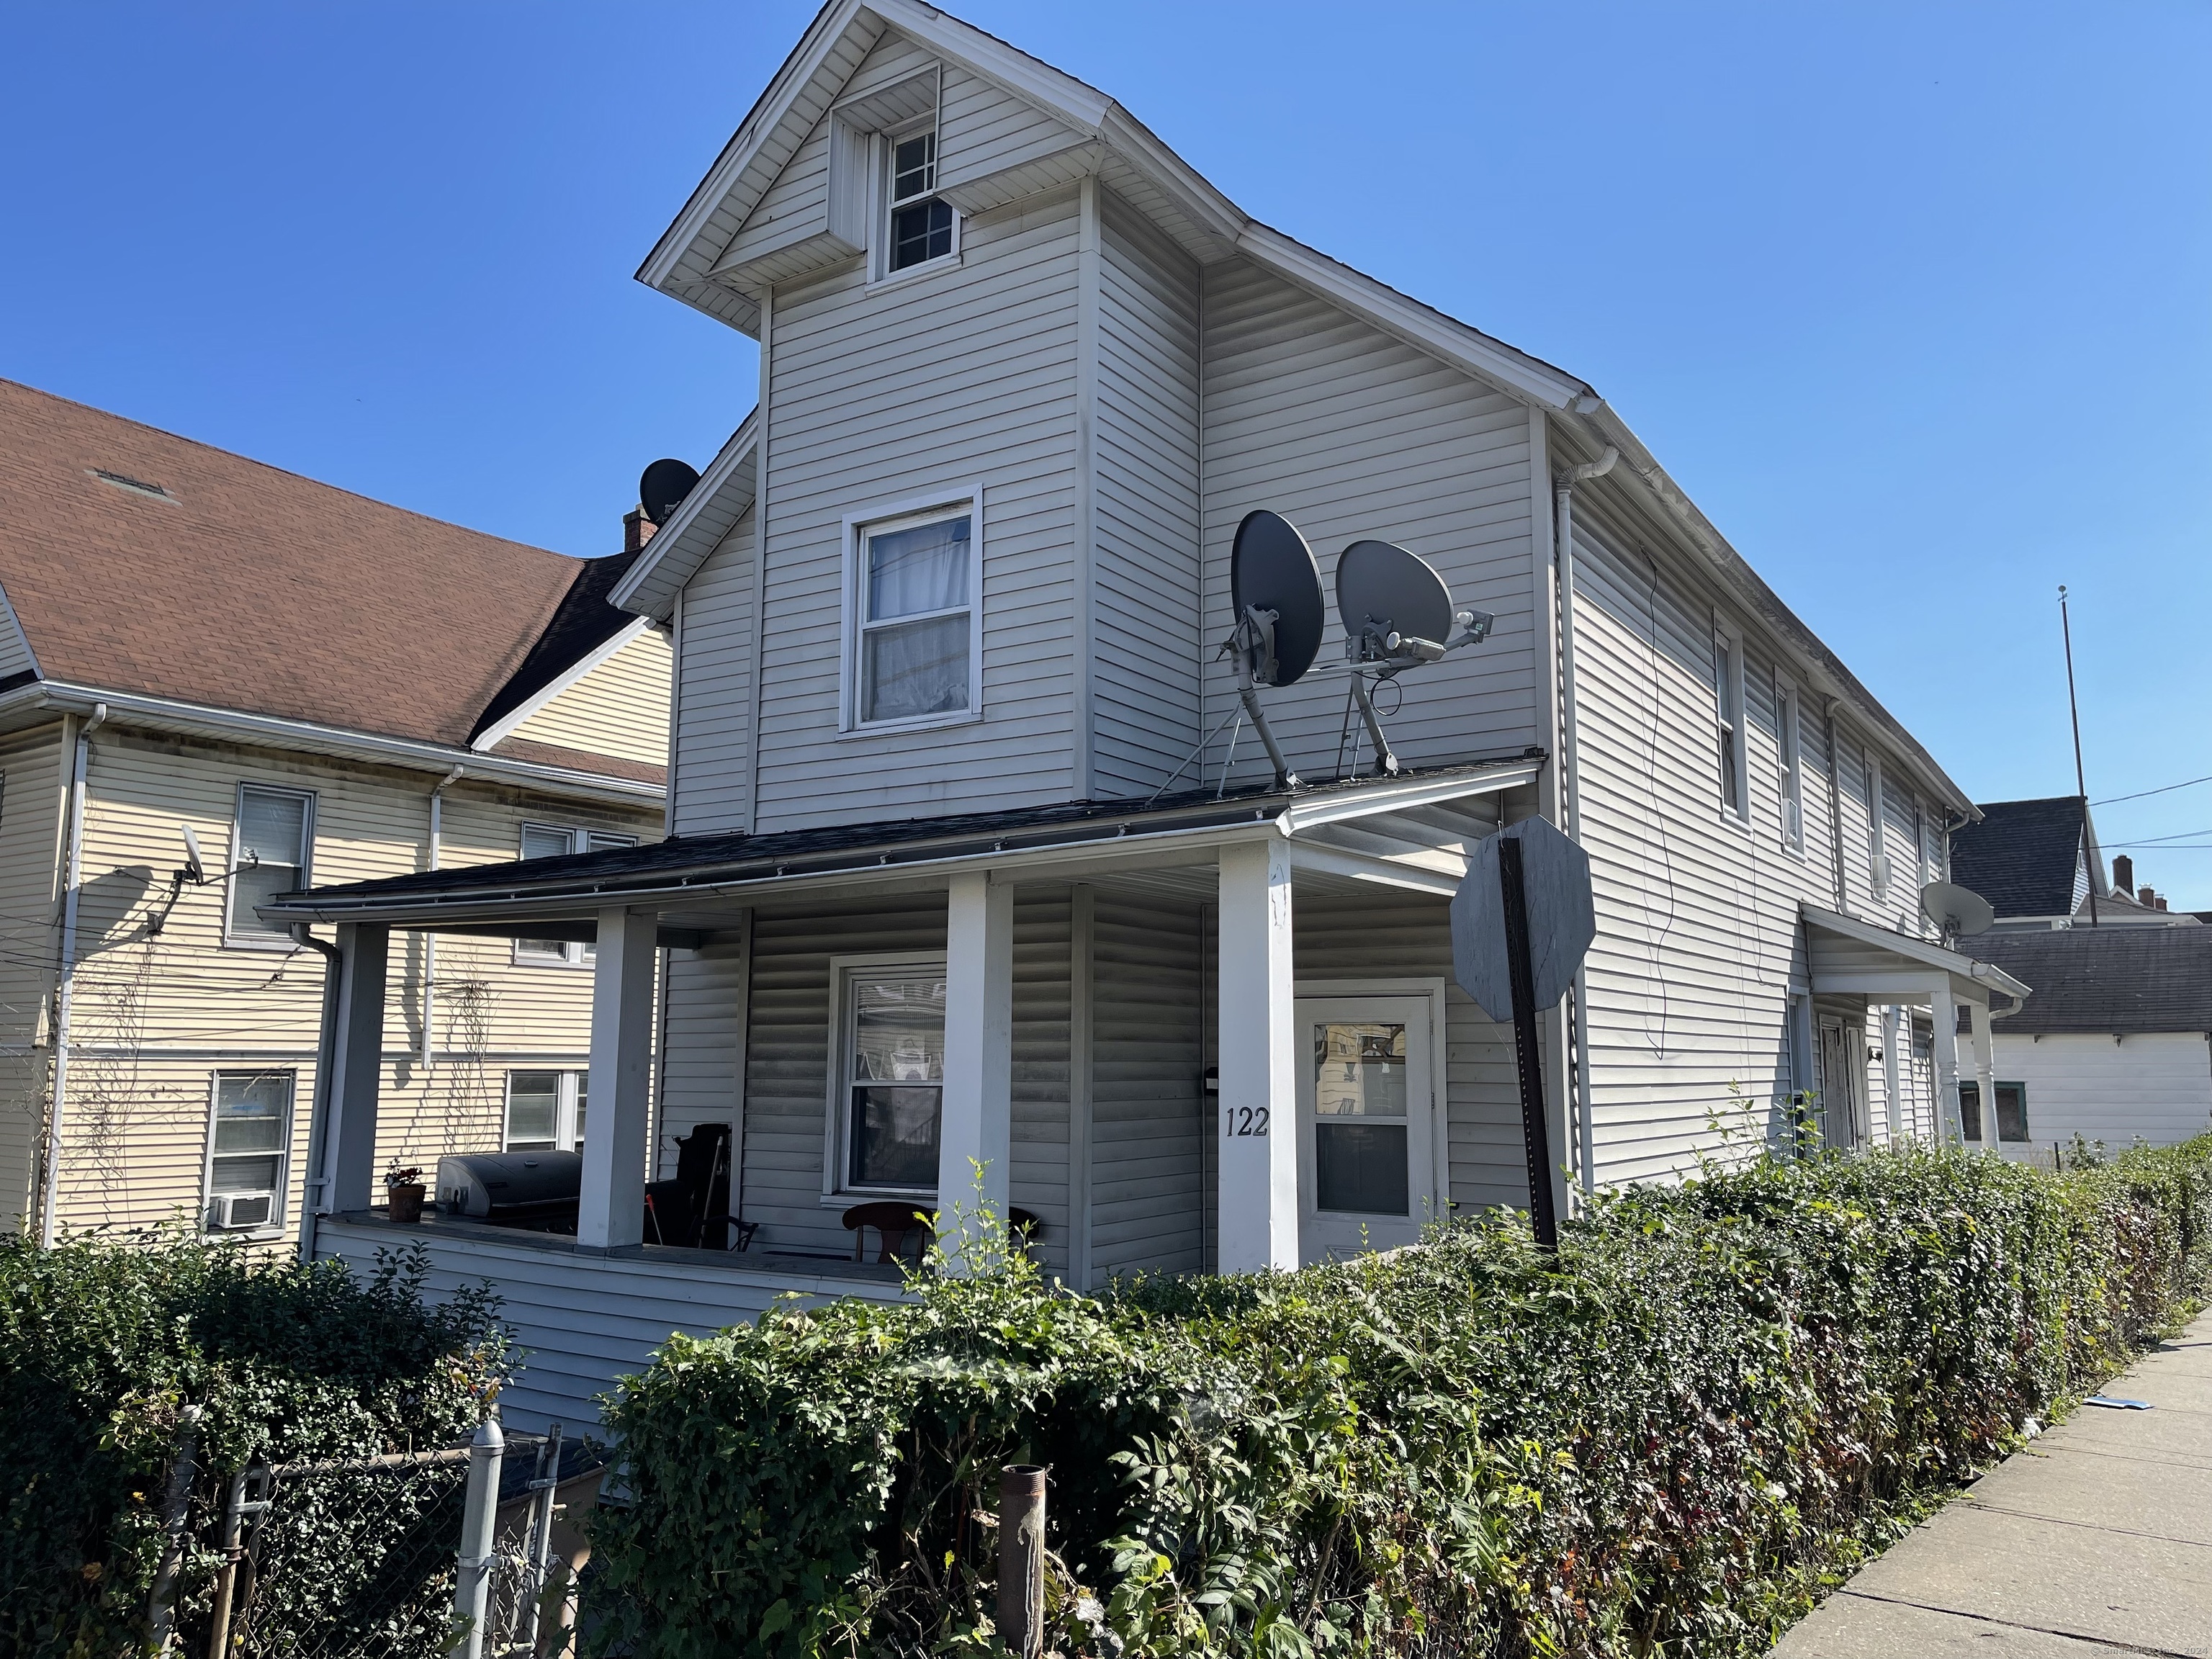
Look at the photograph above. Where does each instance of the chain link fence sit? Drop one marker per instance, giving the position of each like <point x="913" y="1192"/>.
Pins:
<point x="383" y="1558"/>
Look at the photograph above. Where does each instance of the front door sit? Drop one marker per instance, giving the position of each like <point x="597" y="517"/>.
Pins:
<point x="1366" y="1104"/>
<point x="1843" y="1068"/>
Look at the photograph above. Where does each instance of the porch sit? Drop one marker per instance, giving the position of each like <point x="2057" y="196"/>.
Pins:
<point x="1107" y="1016"/>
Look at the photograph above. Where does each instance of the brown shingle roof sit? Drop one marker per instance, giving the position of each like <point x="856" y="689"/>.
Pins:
<point x="247" y="587"/>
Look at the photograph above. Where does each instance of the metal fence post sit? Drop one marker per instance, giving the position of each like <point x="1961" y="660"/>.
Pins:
<point x="176" y="1510"/>
<point x="472" y="1586"/>
<point x="1021" y="1560"/>
<point x="539" y="1545"/>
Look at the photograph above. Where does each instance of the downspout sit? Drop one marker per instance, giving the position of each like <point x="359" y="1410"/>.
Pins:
<point x="1570" y="801"/>
<point x="72" y="879"/>
<point x="430" y="940"/>
<point x="318" y="1110"/>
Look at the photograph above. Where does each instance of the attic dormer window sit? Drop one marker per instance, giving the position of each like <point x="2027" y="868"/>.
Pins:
<point x="921" y="225"/>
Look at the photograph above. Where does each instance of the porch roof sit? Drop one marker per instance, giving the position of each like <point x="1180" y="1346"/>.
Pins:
<point x="1850" y="958"/>
<point x="682" y="870"/>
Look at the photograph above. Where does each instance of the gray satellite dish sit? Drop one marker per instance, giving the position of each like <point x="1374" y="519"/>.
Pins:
<point x="1397" y="614"/>
<point x="1960" y="912"/>
<point x="663" y="487"/>
<point x="1275" y="586"/>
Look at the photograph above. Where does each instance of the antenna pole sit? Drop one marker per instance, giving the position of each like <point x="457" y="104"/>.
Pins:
<point x="2074" y="707"/>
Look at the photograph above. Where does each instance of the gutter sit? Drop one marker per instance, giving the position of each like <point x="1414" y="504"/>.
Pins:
<point x="237" y="726"/>
<point x="72" y="880"/>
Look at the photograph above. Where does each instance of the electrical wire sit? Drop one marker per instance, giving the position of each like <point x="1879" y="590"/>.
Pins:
<point x="2163" y="789"/>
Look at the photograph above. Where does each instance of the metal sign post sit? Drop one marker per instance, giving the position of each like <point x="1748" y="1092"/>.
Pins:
<point x="1521" y="922"/>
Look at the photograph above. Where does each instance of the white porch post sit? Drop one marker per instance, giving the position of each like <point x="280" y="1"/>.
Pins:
<point x="1943" y="1015"/>
<point x="1258" y="1131"/>
<point x="1894" y="1029"/>
<point x="611" y="1208"/>
<point x="976" y="1124"/>
<point x="1985" y="1072"/>
<point x="356" y="1066"/>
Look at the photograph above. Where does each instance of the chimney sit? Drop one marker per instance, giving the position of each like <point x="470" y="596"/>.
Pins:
<point x="637" y="530"/>
<point x="2123" y="873"/>
<point x="2147" y="897"/>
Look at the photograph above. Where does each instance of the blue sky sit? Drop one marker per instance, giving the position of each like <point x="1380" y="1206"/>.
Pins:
<point x="1916" y="299"/>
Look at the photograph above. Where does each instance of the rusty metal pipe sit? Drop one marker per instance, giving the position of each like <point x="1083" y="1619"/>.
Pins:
<point x="1021" y="1558"/>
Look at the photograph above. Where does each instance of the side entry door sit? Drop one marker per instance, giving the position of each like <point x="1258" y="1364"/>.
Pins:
<point x="1366" y="1124"/>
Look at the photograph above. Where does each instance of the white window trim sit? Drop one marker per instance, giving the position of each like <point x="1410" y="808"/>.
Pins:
<point x="1731" y="640"/>
<point x="880" y="146"/>
<point x="575" y="955"/>
<point x="947" y="503"/>
<point x="232" y="941"/>
<point x="566" y="1138"/>
<point x="836" y="1143"/>
<point x="274" y="1228"/>
<point x="1789" y="762"/>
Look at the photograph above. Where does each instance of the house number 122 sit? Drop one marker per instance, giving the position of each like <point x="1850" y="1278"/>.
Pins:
<point x="1247" y="1120"/>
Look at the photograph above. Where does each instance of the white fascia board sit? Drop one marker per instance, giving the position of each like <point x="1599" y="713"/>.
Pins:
<point x="307" y="737"/>
<point x="805" y="62"/>
<point x="1398" y="796"/>
<point x="678" y="548"/>
<point x="492" y="736"/>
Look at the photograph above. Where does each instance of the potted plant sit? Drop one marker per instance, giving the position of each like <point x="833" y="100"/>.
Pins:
<point x="402" y="1192"/>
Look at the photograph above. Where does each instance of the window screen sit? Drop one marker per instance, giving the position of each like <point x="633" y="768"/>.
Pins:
<point x="895" y="1078"/>
<point x="268" y="856"/>
<point x="914" y="621"/>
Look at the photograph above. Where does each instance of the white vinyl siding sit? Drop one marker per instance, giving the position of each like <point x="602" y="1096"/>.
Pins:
<point x="1350" y="433"/>
<point x="2156" y="1086"/>
<point x="717" y="649"/>
<point x="985" y="130"/>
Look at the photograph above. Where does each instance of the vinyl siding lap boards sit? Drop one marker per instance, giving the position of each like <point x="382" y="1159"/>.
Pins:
<point x="619" y="708"/>
<point x="961" y="374"/>
<point x="1147" y="600"/>
<point x="2157" y="1085"/>
<point x="32" y="779"/>
<point x="788" y="1057"/>
<point x="1149" y="1123"/>
<point x="1350" y="434"/>
<point x="983" y="128"/>
<point x="581" y="1321"/>
<point x="712" y="790"/>
<point x="1697" y="913"/>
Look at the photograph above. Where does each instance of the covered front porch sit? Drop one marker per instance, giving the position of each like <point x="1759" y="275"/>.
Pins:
<point x="1206" y="1034"/>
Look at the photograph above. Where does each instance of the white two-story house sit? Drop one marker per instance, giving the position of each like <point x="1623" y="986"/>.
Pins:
<point x="973" y="867"/>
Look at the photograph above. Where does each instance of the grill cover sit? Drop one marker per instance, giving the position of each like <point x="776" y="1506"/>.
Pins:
<point x="504" y="1185"/>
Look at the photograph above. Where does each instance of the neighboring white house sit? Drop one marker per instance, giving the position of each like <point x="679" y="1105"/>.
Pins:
<point x="2115" y="1043"/>
<point x="971" y="863"/>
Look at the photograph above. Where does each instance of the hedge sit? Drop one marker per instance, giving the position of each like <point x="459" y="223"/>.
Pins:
<point x="105" y="1340"/>
<point x="1669" y="1438"/>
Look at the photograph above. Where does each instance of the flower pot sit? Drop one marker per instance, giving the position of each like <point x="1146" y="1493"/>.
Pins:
<point x="406" y="1201"/>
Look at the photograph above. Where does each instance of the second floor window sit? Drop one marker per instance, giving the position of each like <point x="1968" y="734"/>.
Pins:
<point x="914" y="611"/>
<point x="271" y="853"/>
<point x="922" y="226"/>
<point x="1728" y="704"/>
<point x="550" y="840"/>
<point x="1787" y="738"/>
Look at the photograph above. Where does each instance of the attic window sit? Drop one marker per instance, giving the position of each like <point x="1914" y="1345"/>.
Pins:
<point x="922" y="226"/>
<point x="125" y="481"/>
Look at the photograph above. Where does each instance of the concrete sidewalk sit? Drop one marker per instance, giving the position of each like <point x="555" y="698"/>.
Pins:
<point x="2095" y="1540"/>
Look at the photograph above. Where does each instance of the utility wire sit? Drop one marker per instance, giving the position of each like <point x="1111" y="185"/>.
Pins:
<point x="2163" y="789"/>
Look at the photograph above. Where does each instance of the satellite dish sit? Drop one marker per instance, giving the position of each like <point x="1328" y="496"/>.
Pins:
<point x="1275" y="586"/>
<point x="1391" y="603"/>
<point x="1960" y="912"/>
<point x="195" y="866"/>
<point x="663" y="487"/>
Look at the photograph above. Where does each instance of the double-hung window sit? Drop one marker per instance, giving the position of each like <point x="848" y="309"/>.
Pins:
<point x="271" y="852"/>
<point x="550" y="840"/>
<point x="889" y="1080"/>
<point x="249" y="1151"/>
<point x="545" y="1111"/>
<point x="1728" y="707"/>
<point x="922" y="227"/>
<point x="1877" y="828"/>
<point x="913" y="618"/>
<point x="1788" y="742"/>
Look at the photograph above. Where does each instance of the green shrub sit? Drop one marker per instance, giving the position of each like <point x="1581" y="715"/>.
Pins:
<point x="104" y="1342"/>
<point x="1668" y="1438"/>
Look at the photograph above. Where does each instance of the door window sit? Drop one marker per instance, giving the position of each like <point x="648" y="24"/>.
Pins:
<point x="1367" y="1164"/>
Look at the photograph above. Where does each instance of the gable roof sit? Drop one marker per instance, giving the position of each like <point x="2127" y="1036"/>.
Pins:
<point x="2023" y="856"/>
<point x="2107" y="979"/>
<point x="1128" y="158"/>
<point x="142" y="563"/>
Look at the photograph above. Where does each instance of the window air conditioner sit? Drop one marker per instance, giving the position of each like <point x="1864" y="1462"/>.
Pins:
<point x="236" y="1211"/>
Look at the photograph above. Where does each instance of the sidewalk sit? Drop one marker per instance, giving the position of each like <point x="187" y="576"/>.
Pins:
<point x="2094" y="1540"/>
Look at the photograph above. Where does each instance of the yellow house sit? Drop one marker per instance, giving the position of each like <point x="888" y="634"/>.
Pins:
<point x="219" y="682"/>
